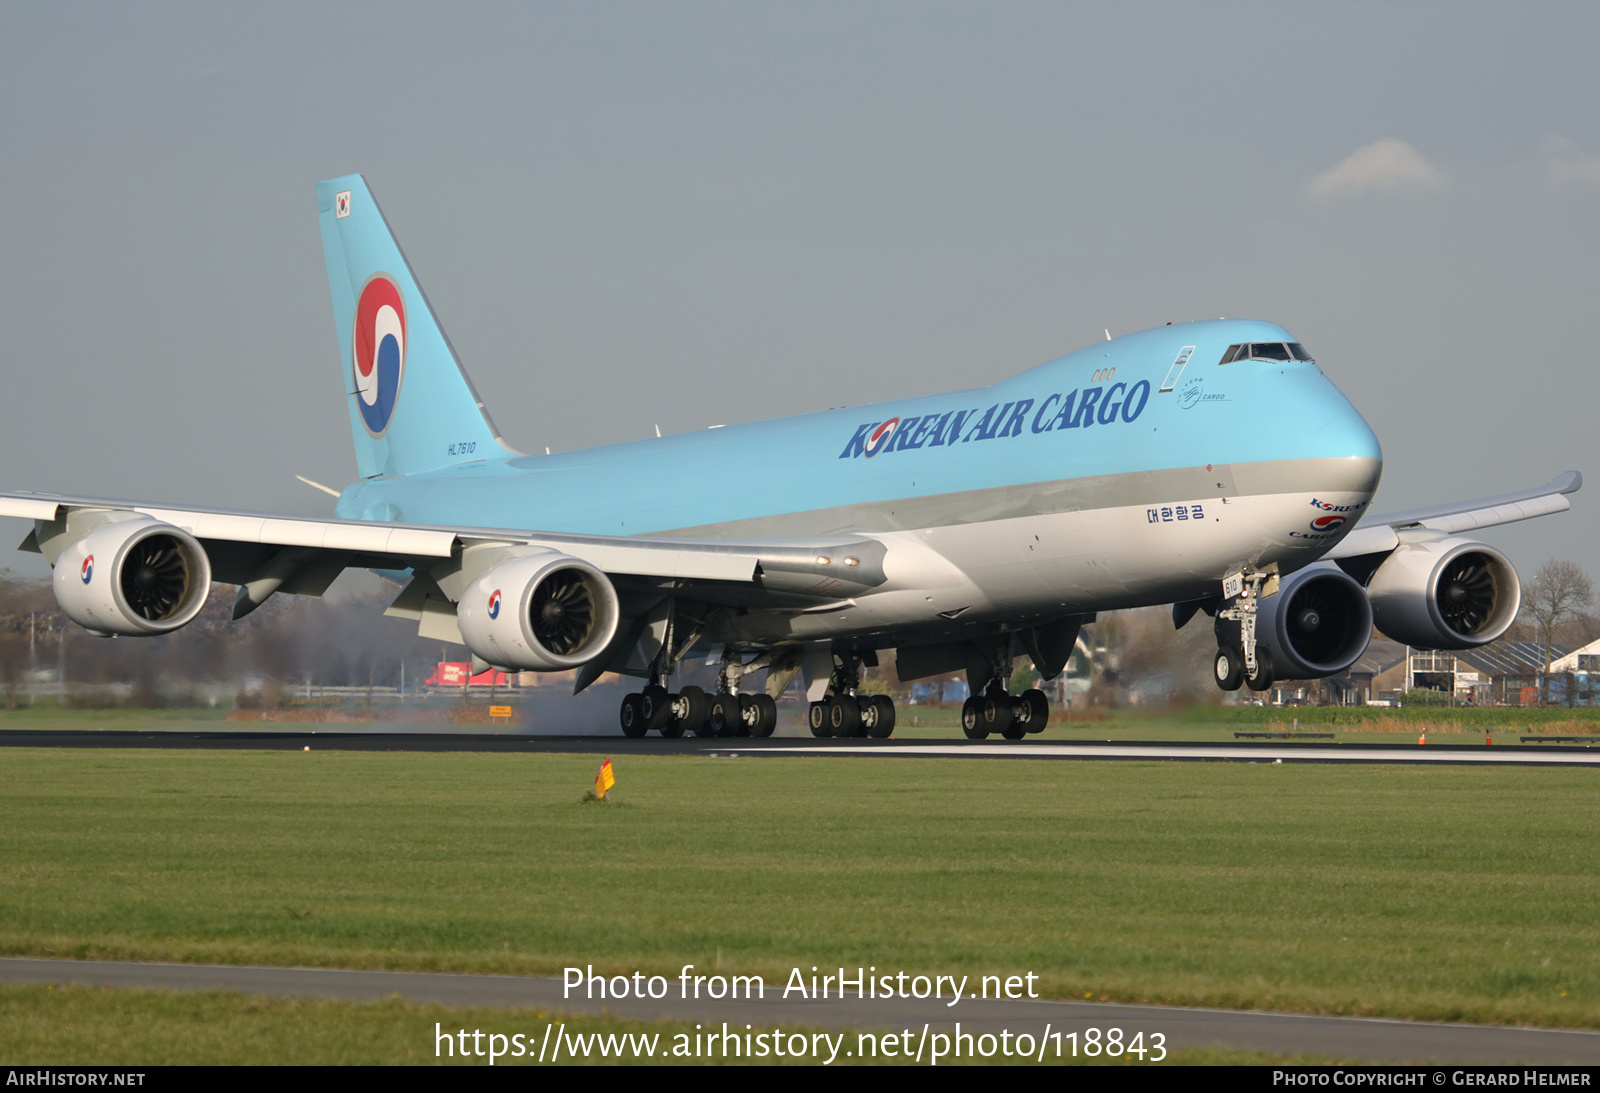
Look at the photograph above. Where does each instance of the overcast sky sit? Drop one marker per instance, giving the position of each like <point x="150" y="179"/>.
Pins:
<point x="683" y="214"/>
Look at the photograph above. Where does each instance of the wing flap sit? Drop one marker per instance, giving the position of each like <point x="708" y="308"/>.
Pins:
<point x="662" y="561"/>
<point x="28" y="508"/>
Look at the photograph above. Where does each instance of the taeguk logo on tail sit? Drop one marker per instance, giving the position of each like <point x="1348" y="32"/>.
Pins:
<point x="378" y="351"/>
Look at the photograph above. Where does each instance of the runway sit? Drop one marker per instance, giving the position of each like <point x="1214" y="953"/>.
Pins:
<point x="1344" y="1038"/>
<point x="391" y="739"/>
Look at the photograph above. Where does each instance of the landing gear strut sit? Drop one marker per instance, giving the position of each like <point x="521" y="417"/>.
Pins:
<point x="1239" y="658"/>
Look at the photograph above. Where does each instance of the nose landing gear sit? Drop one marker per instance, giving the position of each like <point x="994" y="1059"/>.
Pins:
<point x="1240" y="659"/>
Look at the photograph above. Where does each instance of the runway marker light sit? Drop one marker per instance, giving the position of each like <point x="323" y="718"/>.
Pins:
<point x="604" y="780"/>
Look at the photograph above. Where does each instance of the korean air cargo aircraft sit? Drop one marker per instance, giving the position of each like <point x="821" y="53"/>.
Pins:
<point x="1212" y="466"/>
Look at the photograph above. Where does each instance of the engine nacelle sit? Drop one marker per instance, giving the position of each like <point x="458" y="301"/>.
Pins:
<point x="1317" y="624"/>
<point x="1445" y="594"/>
<point x="542" y="613"/>
<point x="135" y="578"/>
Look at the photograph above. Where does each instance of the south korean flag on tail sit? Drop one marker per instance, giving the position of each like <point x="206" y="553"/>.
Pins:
<point x="341" y="204"/>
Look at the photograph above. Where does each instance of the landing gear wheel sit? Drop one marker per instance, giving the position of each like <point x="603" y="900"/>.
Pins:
<point x="1018" y="728"/>
<point x="765" y="709"/>
<point x="656" y="705"/>
<point x="747" y="715"/>
<point x="972" y="719"/>
<point x="818" y="718"/>
<point x="996" y="713"/>
<point x="632" y="717"/>
<point x="694" y="707"/>
<point x="1261" y="678"/>
<point x="1032" y="710"/>
<point x="724" y="719"/>
<point x="879" y="716"/>
<point x="1228" y="668"/>
<point x="844" y="715"/>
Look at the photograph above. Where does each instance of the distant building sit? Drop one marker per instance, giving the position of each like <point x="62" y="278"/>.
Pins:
<point x="458" y="673"/>
<point x="1575" y="677"/>
<point x="1360" y="683"/>
<point x="1502" y="673"/>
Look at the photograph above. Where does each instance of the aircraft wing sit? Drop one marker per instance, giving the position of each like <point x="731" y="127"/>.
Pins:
<point x="1381" y="534"/>
<point x="244" y="545"/>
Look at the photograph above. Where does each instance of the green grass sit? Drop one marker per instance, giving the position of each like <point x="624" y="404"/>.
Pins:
<point x="1446" y="893"/>
<point x="83" y="1026"/>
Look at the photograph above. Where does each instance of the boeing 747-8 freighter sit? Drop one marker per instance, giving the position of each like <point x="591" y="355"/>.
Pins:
<point x="1211" y="465"/>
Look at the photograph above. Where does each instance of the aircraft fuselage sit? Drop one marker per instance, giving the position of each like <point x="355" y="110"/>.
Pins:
<point x="1116" y="476"/>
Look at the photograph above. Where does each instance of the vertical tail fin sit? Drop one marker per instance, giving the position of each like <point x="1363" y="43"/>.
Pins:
<point x="412" y="407"/>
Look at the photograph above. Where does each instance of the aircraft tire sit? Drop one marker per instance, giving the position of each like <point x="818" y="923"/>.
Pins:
<point x="1228" y="668"/>
<point x="972" y="719"/>
<point x="844" y="715"/>
<point x="696" y="711"/>
<point x="817" y="716"/>
<point x="1262" y="679"/>
<point x="724" y="719"/>
<point x="996" y="712"/>
<point x="632" y="717"/>
<point x="1034" y="709"/>
<point x="747" y="715"/>
<point x="656" y="705"/>
<point x="882" y="726"/>
<point x="766" y="711"/>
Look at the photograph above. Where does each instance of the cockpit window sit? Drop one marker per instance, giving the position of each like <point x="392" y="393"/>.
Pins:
<point x="1265" y="351"/>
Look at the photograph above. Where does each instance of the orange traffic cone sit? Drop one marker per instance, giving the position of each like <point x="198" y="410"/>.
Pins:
<point x="1423" y="739"/>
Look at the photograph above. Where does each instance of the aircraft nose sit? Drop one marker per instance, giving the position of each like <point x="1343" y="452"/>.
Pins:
<point x="1346" y="435"/>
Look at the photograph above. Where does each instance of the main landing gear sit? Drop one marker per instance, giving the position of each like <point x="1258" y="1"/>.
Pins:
<point x="1240" y="659"/>
<point x="992" y="708"/>
<point x="692" y="710"/>
<point x="1012" y="716"/>
<point x="847" y="713"/>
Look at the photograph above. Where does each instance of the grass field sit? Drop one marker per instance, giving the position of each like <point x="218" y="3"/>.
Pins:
<point x="75" y="1025"/>
<point x="1448" y="893"/>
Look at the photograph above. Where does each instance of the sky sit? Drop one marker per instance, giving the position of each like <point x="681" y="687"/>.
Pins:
<point x="676" y="215"/>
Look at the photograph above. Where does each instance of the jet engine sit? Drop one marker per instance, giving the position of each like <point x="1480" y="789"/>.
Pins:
<point x="1316" y="625"/>
<point x="134" y="577"/>
<point x="1445" y="594"/>
<point x="540" y="612"/>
